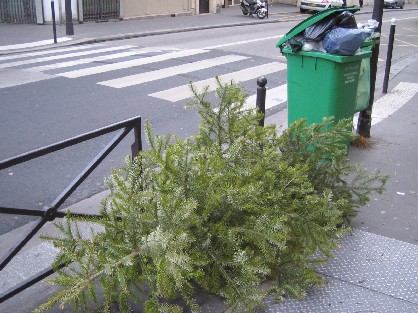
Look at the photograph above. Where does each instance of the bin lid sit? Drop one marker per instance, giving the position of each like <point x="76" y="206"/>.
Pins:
<point x="312" y="20"/>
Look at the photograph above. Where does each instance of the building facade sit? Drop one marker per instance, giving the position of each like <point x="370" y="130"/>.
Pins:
<point x="40" y="11"/>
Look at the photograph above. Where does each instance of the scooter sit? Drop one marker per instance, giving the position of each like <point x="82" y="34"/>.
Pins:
<point x="250" y="7"/>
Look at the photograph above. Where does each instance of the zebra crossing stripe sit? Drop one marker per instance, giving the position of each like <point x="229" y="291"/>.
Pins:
<point x="44" y="52"/>
<point x="128" y="64"/>
<point x="13" y="77"/>
<point x="61" y="56"/>
<point x="183" y="92"/>
<point x="244" y="42"/>
<point x="34" y="44"/>
<point x="91" y="60"/>
<point x="170" y="71"/>
<point x="274" y="96"/>
<point x="393" y="101"/>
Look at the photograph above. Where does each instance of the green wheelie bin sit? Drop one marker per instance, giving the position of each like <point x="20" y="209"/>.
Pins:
<point x="320" y="84"/>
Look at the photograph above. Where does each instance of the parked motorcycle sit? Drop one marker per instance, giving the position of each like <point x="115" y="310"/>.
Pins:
<point x="257" y="7"/>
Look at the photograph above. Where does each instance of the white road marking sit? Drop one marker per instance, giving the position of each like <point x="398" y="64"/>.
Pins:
<point x="33" y="44"/>
<point x="184" y="92"/>
<point x="400" y="19"/>
<point x="61" y="56"/>
<point x="393" y="101"/>
<point x="406" y="43"/>
<point x="274" y="96"/>
<point x="243" y="42"/>
<point x="17" y="77"/>
<point x="170" y="71"/>
<point x="128" y="64"/>
<point x="91" y="60"/>
<point x="46" y="52"/>
<point x="410" y="30"/>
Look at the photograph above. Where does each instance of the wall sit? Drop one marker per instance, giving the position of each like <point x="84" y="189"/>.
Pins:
<point x="292" y="2"/>
<point x="133" y="8"/>
<point x="128" y="9"/>
<point x="215" y="5"/>
<point x="39" y="12"/>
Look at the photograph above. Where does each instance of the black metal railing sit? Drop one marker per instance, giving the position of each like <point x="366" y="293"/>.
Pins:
<point x="17" y="11"/>
<point x="49" y="213"/>
<point x="101" y="10"/>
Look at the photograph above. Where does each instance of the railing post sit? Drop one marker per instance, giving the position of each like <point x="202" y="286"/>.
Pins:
<point x="261" y="98"/>
<point x="136" y="147"/>
<point x="54" y="27"/>
<point x="389" y="55"/>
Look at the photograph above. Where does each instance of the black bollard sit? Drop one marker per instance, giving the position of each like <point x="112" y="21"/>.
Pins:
<point x="267" y="8"/>
<point x="54" y="26"/>
<point x="261" y="98"/>
<point x="389" y="55"/>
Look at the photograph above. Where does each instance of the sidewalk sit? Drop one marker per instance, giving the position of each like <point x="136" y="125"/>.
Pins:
<point x="376" y="268"/>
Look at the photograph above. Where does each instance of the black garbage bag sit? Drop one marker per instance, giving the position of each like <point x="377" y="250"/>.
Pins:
<point x="347" y="20"/>
<point x="319" y="30"/>
<point x="345" y="41"/>
<point x="296" y="43"/>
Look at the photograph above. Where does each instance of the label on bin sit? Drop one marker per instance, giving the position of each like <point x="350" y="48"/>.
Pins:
<point x="351" y="74"/>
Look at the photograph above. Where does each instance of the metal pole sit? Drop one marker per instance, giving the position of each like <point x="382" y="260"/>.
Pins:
<point x="389" y="55"/>
<point x="364" y="121"/>
<point x="69" y="27"/>
<point x="267" y="7"/>
<point x="261" y="98"/>
<point x="54" y="26"/>
<point x="136" y="147"/>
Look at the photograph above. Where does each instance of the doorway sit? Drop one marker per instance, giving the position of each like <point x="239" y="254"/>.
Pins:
<point x="203" y="6"/>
